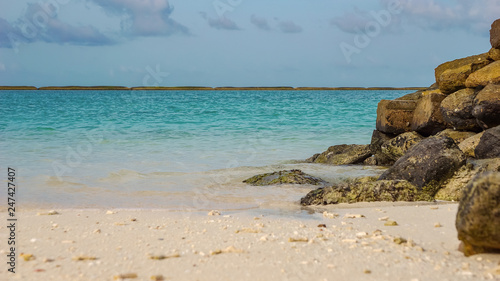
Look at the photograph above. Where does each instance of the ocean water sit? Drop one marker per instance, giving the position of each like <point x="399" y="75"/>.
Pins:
<point x="178" y="150"/>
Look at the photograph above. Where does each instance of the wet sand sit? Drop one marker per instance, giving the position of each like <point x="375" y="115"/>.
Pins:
<point x="353" y="242"/>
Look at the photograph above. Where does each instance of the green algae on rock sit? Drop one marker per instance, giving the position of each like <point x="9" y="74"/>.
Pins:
<point x="284" y="177"/>
<point x="367" y="189"/>
<point x="452" y="189"/>
<point x="342" y="155"/>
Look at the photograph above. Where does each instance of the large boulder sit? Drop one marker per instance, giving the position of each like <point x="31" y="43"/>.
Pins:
<point x="489" y="144"/>
<point x="495" y="34"/>
<point x="457" y="110"/>
<point x="484" y="76"/>
<point x="342" y="155"/>
<point x="365" y="190"/>
<point x="487" y="106"/>
<point x="391" y="150"/>
<point x="468" y="146"/>
<point x="427" y="117"/>
<point x="478" y="216"/>
<point x="284" y="177"/>
<point x="427" y="164"/>
<point x="395" y="116"/>
<point x="468" y="64"/>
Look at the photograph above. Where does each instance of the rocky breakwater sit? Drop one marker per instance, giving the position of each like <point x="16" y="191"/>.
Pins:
<point x="442" y="143"/>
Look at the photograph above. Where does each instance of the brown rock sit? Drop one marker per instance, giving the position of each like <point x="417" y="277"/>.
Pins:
<point x="477" y="59"/>
<point x="418" y="94"/>
<point x="478" y="216"/>
<point x="469" y="145"/>
<point x="457" y="110"/>
<point x="484" y="76"/>
<point x="395" y="116"/>
<point x="487" y="106"/>
<point x="427" y="118"/>
<point x="495" y="34"/>
<point x="494" y="54"/>
<point x="452" y="80"/>
<point x="428" y="163"/>
<point x="489" y="144"/>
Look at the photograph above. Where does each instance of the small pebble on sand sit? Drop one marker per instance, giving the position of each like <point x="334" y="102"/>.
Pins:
<point x="214" y="213"/>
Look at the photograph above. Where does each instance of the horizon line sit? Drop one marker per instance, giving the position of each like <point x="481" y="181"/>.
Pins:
<point x="200" y="88"/>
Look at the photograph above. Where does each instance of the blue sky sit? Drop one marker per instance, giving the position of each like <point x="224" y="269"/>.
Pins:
<point x="237" y="42"/>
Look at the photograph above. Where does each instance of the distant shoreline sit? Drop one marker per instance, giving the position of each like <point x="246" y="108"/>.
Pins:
<point x="189" y="88"/>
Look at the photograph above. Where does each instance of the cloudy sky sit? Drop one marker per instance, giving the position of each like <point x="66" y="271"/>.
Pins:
<point x="237" y="42"/>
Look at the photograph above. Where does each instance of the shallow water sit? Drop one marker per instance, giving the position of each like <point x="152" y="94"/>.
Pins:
<point x="178" y="149"/>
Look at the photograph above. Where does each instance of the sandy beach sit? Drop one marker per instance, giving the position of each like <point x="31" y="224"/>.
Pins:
<point x="344" y="242"/>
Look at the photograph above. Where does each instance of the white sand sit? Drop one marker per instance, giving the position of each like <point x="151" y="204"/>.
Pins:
<point x="240" y="246"/>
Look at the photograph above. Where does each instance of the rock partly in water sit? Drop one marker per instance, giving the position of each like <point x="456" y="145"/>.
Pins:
<point x="284" y="177"/>
<point x="393" y="149"/>
<point x="427" y="118"/>
<point x="427" y="164"/>
<point x="366" y="190"/>
<point x="478" y="216"/>
<point x="473" y="63"/>
<point x="487" y="106"/>
<point x="342" y="155"/>
<point x="489" y="144"/>
<point x="395" y="116"/>
<point x="468" y="146"/>
<point x="484" y="76"/>
<point x="457" y="110"/>
<point x="495" y="34"/>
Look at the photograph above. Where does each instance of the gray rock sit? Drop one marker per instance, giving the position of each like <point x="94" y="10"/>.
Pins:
<point x="489" y="144"/>
<point x="428" y="163"/>
<point x="478" y="216"/>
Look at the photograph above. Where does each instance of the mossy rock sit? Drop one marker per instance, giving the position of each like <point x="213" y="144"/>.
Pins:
<point x="478" y="216"/>
<point x="368" y="189"/>
<point x="342" y="155"/>
<point x="284" y="177"/>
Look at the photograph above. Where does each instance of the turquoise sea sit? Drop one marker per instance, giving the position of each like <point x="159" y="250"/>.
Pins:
<point x="176" y="150"/>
